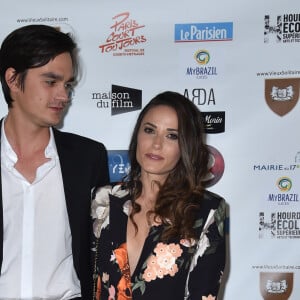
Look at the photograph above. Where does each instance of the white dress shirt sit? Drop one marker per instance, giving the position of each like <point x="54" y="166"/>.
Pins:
<point x="37" y="255"/>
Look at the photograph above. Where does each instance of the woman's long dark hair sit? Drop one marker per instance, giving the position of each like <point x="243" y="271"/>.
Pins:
<point x="178" y="200"/>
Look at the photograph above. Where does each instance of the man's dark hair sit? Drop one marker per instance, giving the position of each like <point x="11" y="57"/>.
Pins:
<point x="33" y="46"/>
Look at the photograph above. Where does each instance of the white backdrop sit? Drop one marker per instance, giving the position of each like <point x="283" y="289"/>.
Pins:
<point x="252" y="76"/>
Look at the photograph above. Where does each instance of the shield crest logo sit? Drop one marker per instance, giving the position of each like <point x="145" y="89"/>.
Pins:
<point x="282" y="94"/>
<point x="276" y="286"/>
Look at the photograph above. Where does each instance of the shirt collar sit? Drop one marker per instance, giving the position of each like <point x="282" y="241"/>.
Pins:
<point x="50" y="150"/>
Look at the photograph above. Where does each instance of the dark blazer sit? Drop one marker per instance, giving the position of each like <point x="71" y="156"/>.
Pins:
<point x="83" y="166"/>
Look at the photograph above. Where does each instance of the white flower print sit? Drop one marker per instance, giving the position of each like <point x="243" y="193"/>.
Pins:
<point x="100" y="206"/>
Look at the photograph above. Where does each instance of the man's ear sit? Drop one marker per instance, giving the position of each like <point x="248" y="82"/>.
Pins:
<point x="11" y="79"/>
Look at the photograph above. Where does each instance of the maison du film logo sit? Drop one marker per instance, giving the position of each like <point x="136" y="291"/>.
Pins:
<point x="280" y="225"/>
<point x="202" y="69"/>
<point x="282" y="95"/>
<point x="125" y="36"/>
<point x="282" y="28"/>
<point x="285" y="196"/>
<point x="120" y="99"/>
<point x="276" y="285"/>
<point x="202" y="32"/>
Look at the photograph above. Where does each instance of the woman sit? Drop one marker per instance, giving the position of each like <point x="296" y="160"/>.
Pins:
<point x="160" y="234"/>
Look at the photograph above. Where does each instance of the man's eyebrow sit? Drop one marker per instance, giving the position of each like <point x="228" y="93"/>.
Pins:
<point x="56" y="76"/>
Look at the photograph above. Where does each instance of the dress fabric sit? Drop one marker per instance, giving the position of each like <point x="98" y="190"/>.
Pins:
<point x="174" y="270"/>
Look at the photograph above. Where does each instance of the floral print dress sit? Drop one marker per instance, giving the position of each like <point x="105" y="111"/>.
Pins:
<point x="177" y="270"/>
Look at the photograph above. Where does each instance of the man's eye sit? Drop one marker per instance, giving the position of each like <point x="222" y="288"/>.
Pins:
<point x="69" y="86"/>
<point x="50" y="82"/>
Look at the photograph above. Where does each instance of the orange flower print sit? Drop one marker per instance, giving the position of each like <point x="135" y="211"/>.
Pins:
<point x="124" y="285"/>
<point x="121" y="256"/>
<point x="98" y="289"/>
<point x="163" y="263"/>
<point x="210" y="297"/>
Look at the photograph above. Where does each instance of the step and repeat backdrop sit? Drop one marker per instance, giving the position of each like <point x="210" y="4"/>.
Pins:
<point x="239" y="62"/>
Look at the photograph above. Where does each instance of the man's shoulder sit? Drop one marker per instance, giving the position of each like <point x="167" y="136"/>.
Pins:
<point x="69" y="137"/>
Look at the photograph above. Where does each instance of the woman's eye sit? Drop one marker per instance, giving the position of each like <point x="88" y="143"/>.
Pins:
<point x="148" y="130"/>
<point x="172" y="136"/>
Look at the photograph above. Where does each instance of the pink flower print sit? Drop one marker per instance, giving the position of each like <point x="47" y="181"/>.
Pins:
<point x="160" y="249"/>
<point x="163" y="263"/>
<point x="112" y="293"/>
<point x="166" y="260"/>
<point x="150" y="273"/>
<point x="152" y="261"/>
<point x="175" y="250"/>
<point x="173" y="270"/>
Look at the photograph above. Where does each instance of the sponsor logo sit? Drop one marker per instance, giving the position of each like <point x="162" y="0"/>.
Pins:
<point x="118" y="163"/>
<point x="214" y="121"/>
<point x="202" y="57"/>
<point x="284" y="184"/>
<point x="216" y="167"/>
<point x="120" y="99"/>
<point x="202" y="32"/>
<point x="283" y="28"/>
<point x="293" y="166"/>
<point x="280" y="225"/>
<point x="125" y="37"/>
<point x="201" y="96"/>
<point x="285" y="197"/>
<point x="282" y="95"/>
<point x="276" y="285"/>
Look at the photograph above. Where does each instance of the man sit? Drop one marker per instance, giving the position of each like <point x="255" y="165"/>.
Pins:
<point x="46" y="175"/>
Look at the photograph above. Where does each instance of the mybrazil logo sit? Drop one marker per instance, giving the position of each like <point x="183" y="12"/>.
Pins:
<point x="285" y="194"/>
<point x="203" y="69"/>
<point x="202" y="57"/>
<point x="204" y="32"/>
<point x="284" y="184"/>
